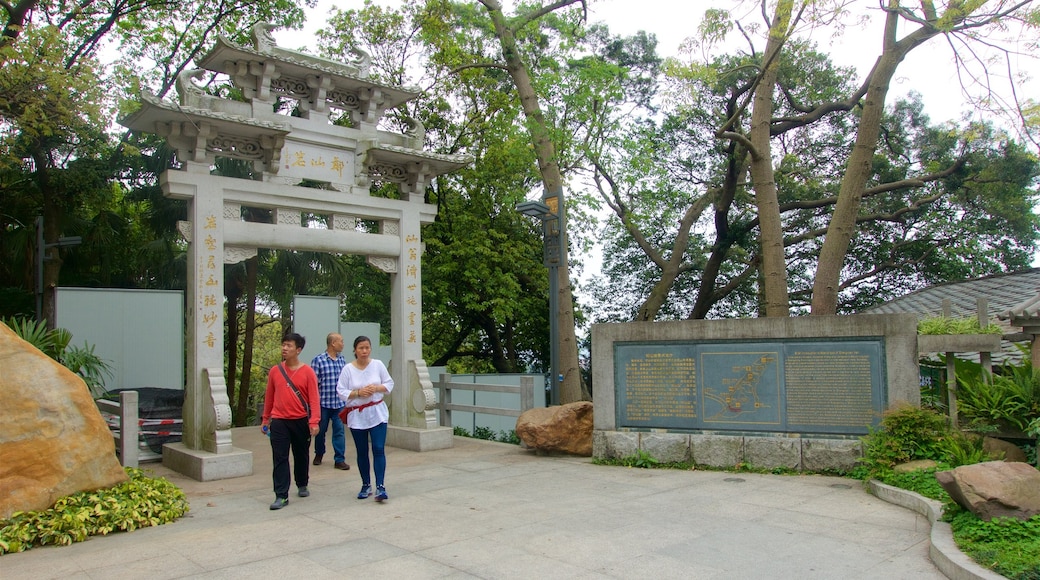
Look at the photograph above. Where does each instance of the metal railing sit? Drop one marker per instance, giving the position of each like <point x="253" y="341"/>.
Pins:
<point x="444" y="388"/>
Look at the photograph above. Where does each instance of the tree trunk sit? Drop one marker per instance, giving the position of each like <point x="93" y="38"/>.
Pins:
<point x="571" y="387"/>
<point x="52" y="214"/>
<point x="231" y="343"/>
<point x="247" y="343"/>
<point x="736" y="166"/>
<point x="771" y="232"/>
<point x="842" y="226"/>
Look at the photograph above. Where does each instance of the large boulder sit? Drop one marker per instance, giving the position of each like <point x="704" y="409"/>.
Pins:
<point x="53" y="441"/>
<point x="995" y="447"/>
<point x="994" y="489"/>
<point x="563" y="429"/>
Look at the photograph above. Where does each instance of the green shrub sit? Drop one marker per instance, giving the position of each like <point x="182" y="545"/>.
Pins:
<point x="489" y="435"/>
<point x="992" y="398"/>
<point x="906" y="433"/>
<point x="509" y="437"/>
<point x="138" y="503"/>
<point x="962" y="449"/>
<point x="944" y="325"/>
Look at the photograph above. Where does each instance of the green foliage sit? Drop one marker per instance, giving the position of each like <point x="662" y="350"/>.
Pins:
<point x="944" y="325"/>
<point x="990" y="400"/>
<point x="138" y="503"/>
<point x="1008" y="546"/>
<point x="640" y="459"/>
<point x="55" y="344"/>
<point x="488" y="434"/>
<point x="920" y="481"/>
<point x="906" y="433"/>
<point x="509" y="437"/>
<point x="1008" y="397"/>
<point x="963" y="449"/>
<point x="1033" y="429"/>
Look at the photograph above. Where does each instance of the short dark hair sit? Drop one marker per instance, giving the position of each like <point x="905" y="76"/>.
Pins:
<point x="361" y="339"/>
<point x="296" y="338"/>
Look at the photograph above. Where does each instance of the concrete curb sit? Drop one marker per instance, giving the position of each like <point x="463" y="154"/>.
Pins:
<point x="943" y="551"/>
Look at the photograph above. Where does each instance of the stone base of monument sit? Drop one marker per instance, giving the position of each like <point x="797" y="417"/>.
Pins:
<point x="414" y="439"/>
<point x="206" y="466"/>
<point x="715" y="450"/>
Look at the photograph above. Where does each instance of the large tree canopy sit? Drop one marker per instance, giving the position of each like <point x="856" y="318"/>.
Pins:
<point x="739" y="179"/>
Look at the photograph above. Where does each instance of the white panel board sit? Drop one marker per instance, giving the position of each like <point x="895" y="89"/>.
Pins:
<point x="352" y="330"/>
<point x="139" y="332"/>
<point x="314" y="317"/>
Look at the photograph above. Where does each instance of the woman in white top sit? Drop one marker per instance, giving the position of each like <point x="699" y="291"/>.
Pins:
<point x="363" y="384"/>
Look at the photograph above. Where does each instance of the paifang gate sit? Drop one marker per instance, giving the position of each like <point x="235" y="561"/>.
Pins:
<point x="286" y="150"/>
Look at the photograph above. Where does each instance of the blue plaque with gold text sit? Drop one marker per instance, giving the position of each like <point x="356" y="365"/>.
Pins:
<point x="803" y="386"/>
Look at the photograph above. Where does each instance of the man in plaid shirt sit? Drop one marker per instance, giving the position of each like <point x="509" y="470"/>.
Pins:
<point x="328" y="365"/>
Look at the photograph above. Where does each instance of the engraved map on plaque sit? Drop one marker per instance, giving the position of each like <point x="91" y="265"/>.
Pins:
<point x="741" y="387"/>
<point x="805" y="386"/>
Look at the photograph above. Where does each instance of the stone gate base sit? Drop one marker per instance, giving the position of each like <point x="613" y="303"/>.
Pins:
<point x="414" y="439"/>
<point x="206" y="466"/>
<point x="713" y="450"/>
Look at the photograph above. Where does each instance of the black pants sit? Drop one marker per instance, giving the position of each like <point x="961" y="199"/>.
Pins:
<point x="286" y="434"/>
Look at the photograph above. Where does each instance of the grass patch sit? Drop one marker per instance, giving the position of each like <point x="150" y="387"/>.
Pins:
<point x="1008" y="546"/>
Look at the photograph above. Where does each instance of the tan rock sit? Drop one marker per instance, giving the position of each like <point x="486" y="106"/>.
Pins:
<point x="53" y="441"/>
<point x="563" y="429"/>
<point x="994" y="489"/>
<point x="995" y="447"/>
<point x="915" y="465"/>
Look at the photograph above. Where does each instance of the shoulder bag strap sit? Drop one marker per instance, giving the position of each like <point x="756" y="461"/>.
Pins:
<point x="295" y="390"/>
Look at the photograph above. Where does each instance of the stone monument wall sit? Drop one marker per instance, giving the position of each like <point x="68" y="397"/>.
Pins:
<point x="795" y="392"/>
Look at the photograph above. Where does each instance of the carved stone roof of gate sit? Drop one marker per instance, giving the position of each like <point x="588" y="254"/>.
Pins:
<point x="155" y="110"/>
<point x="344" y="76"/>
<point x="441" y="163"/>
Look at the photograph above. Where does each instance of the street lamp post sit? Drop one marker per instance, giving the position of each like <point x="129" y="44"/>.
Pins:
<point x="41" y="257"/>
<point x="548" y="210"/>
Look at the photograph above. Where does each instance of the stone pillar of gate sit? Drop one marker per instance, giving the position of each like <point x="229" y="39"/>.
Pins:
<point x="414" y="423"/>
<point x="205" y="452"/>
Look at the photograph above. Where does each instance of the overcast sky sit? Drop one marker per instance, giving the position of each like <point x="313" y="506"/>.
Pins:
<point x="929" y="69"/>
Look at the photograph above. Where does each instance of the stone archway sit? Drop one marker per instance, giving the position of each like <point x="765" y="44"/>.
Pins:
<point x="286" y="150"/>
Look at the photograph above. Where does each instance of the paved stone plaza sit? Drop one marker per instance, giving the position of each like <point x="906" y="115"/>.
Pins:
<point x="492" y="510"/>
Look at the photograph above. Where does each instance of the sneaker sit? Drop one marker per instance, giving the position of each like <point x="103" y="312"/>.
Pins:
<point x="366" y="492"/>
<point x="279" y="503"/>
<point x="343" y="465"/>
<point x="304" y="492"/>
<point x="381" y="493"/>
<point x="317" y="460"/>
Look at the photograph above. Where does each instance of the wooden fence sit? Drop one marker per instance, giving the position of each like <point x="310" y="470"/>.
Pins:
<point x="444" y="388"/>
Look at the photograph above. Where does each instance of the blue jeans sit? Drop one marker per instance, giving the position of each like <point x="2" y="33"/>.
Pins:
<point x="378" y="436"/>
<point x="339" y="443"/>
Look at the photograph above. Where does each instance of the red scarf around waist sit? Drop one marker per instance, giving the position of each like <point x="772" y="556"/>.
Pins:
<point x="346" y="410"/>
